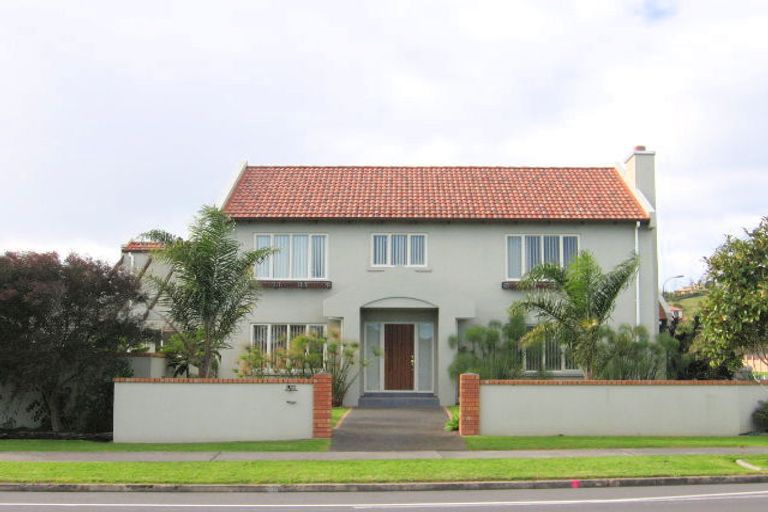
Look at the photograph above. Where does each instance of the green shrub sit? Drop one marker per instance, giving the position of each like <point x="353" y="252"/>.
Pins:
<point x="493" y="352"/>
<point x="306" y="356"/>
<point x="453" y="423"/>
<point x="760" y="416"/>
<point x="628" y="354"/>
<point x="340" y="363"/>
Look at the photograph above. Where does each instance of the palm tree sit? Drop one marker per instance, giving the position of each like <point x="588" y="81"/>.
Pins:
<point x="212" y="286"/>
<point x="573" y="304"/>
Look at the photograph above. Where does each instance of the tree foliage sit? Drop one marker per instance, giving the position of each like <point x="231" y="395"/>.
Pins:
<point x="735" y="313"/>
<point x="573" y="304"/>
<point x="64" y="327"/>
<point x="212" y="286"/>
<point x="684" y="362"/>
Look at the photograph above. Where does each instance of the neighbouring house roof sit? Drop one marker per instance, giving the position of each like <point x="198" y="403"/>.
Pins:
<point x="134" y="246"/>
<point x="433" y="193"/>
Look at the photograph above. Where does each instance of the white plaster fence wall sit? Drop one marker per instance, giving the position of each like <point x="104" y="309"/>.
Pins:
<point x="211" y="410"/>
<point x="148" y="365"/>
<point x="621" y="408"/>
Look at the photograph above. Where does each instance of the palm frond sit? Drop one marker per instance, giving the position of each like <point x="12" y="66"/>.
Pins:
<point x="547" y="273"/>
<point x="612" y="284"/>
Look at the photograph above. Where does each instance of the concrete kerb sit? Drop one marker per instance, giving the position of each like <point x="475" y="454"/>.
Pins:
<point x="382" y="487"/>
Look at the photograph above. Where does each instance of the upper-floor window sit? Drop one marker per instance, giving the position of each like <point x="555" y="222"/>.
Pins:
<point x="398" y="250"/>
<point x="524" y="252"/>
<point x="296" y="256"/>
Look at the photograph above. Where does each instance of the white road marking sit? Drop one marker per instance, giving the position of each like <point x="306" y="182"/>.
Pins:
<point x="459" y="504"/>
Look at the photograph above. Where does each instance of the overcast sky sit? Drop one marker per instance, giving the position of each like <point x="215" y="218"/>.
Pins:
<point x="117" y="117"/>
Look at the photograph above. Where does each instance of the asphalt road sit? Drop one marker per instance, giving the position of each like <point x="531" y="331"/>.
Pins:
<point x="700" y="498"/>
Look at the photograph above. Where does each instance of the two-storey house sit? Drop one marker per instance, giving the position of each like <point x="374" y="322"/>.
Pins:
<point x="402" y="258"/>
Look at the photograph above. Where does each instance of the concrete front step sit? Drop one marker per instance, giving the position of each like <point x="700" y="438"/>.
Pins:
<point x="397" y="399"/>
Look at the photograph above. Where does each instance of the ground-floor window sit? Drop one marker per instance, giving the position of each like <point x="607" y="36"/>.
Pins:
<point x="270" y="338"/>
<point x="549" y="357"/>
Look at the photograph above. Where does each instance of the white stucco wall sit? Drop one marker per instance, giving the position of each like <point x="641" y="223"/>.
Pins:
<point x="147" y="412"/>
<point x="148" y="365"/>
<point x="620" y="410"/>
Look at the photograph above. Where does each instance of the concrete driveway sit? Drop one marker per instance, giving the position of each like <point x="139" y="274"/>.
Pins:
<point x="384" y="430"/>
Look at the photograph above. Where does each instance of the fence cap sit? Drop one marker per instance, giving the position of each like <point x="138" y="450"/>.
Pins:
<point x="249" y="380"/>
<point x="579" y="382"/>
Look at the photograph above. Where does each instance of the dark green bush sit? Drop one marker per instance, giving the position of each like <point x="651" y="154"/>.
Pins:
<point x="628" y="354"/>
<point x="760" y="416"/>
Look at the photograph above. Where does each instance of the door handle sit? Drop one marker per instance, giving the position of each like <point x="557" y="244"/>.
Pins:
<point x="412" y="359"/>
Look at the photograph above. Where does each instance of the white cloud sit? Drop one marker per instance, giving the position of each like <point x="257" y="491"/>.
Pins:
<point x="117" y="119"/>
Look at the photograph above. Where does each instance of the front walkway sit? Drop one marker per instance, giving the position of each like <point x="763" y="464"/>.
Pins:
<point x="393" y="430"/>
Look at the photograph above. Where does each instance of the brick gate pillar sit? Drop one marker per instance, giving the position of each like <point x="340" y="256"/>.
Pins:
<point x="469" y="404"/>
<point x="322" y="403"/>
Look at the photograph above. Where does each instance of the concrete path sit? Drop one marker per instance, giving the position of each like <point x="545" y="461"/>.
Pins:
<point x="360" y="455"/>
<point x="388" y="430"/>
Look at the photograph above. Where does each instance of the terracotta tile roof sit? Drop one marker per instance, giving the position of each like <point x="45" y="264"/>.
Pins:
<point x="134" y="246"/>
<point x="433" y="193"/>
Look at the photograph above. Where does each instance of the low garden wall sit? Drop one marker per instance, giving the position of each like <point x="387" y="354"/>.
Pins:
<point x="151" y="365"/>
<point x="618" y="408"/>
<point x="211" y="410"/>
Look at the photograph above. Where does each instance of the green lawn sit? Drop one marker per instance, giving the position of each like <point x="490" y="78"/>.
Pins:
<point x="361" y="471"/>
<point x="691" y="305"/>
<point x="566" y="442"/>
<point x="52" y="445"/>
<point x="336" y="414"/>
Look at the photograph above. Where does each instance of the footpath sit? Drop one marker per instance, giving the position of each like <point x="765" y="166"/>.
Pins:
<point x="361" y="455"/>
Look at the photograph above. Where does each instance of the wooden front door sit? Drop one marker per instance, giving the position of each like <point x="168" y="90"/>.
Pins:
<point x="398" y="356"/>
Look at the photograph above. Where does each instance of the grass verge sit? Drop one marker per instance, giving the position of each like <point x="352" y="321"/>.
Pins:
<point x="365" y="471"/>
<point x="336" y="414"/>
<point x="760" y="461"/>
<point x="52" y="445"/>
<point x="571" y="443"/>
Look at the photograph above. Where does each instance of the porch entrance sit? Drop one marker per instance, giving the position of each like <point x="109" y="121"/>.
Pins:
<point x="399" y="356"/>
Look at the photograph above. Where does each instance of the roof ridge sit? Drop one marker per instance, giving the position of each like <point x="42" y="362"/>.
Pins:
<point x="490" y="167"/>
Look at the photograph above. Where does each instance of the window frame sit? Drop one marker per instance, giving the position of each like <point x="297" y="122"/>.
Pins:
<point x="288" y="326"/>
<point x="310" y="254"/>
<point x="389" y="236"/>
<point x="524" y="245"/>
<point x="562" y="369"/>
